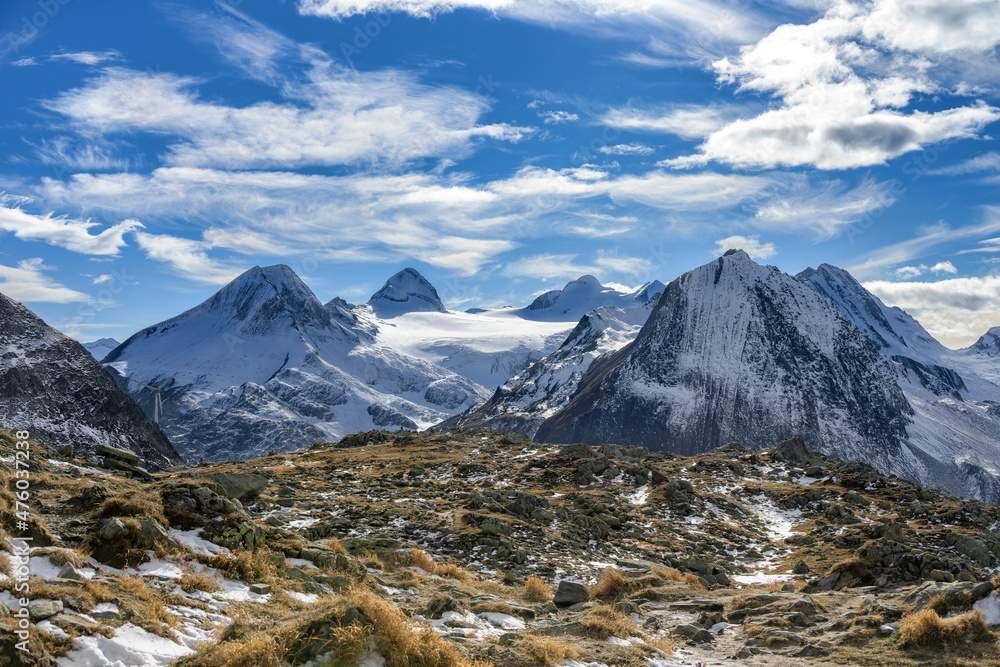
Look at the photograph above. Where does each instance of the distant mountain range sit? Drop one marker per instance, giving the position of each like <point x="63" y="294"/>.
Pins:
<point x="101" y="347"/>
<point x="53" y="388"/>
<point x="264" y="365"/>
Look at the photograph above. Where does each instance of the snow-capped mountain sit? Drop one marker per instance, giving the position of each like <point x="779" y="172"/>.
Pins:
<point x="738" y="351"/>
<point x="526" y="400"/>
<point x="264" y="365"/>
<point x="955" y="394"/>
<point x="405" y="292"/>
<point x="583" y="295"/>
<point x="101" y="347"/>
<point x="53" y="388"/>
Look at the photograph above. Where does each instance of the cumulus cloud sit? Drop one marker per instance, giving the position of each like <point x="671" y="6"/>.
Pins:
<point x="27" y="282"/>
<point x="750" y="244"/>
<point x="844" y="84"/>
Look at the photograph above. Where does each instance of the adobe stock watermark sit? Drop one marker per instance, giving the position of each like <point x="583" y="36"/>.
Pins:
<point x="20" y="548"/>
<point x="363" y="37"/>
<point x="33" y="22"/>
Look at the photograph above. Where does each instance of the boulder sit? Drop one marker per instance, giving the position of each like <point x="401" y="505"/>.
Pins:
<point x="570" y="593"/>
<point x="126" y="455"/>
<point x="239" y="486"/>
<point x="792" y="450"/>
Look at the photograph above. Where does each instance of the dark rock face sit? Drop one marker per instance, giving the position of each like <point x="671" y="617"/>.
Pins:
<point x="738" y="351"/>
<point x="53" y="388"/>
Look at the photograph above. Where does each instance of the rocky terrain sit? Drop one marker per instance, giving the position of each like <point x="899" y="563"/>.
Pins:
<point x="52" y="386"/>
<point x="471" y="547"/>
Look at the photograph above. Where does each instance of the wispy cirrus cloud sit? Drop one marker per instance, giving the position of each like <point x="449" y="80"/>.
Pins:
<point x="752" y="245"/>
<point x="61" y="231"/>
<point x="28" y="282"/>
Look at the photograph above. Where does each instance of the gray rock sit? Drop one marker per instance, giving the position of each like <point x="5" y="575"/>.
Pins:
<point x="113" y="529"/>
<point x="126" y="455"/>
<point x="942" y="575"/>
<point x="42" y="610"/>
<point x="67" y="571"/>
<point x="239" y="486"/>
<point x="260" y="589"/>
<point x="792" y="450"/>
<point x="569" y="593"/>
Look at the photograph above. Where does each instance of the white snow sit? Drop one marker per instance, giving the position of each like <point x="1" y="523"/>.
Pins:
<point x="990" y="606"/>
<point x="130" y="646"/>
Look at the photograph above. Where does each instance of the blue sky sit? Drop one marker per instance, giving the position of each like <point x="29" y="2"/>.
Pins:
<point x="154" y="150"/>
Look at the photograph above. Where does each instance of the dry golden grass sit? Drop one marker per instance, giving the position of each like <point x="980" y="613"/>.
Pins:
<point x="603" y="622"/>
<point x="257" y="651"/>
<point x="250" y="566"/>
<point x="192" y="581"/>
<point x="335" y="544"/>
<point x="399" y="642"/>
<point x="536" y="590"/>
<point x="611" y="586"/>
<point x="420" y="559"/>
<point x="671" y="574"/>
<point x="451" y="571"/>
<point x="144" y="607"/>
<point x="143" y="504"/>
<point x="59" y="556"/>
<point x="371" y="561"/>
<point x="927" y="629"/>
<point x="747" y="601"/>
<point x="663" y="645"/>
<point x="547" y="652"/>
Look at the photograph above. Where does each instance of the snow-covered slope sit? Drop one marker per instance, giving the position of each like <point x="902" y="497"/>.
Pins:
<point x="264" y="365"/>
<point x="955" y="394"/>
<point x="53" y="388"/>
<point x="405" y="292"/>
<point x="526" y="400"/>
<point x="491" y="346"/>
<point x="101" y="347"/>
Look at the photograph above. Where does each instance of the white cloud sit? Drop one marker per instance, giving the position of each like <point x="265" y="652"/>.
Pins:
<point x="26" y="282"/>
<point x="987" y="162"/>
<point x="187" y="258"/>
<point x="556" y="117"/>
<point x="908" y="272"/>
<point x="103" y="278"/>
<point x="78" y="155"/>
<point x="626" y="149"/>
<point x="750" y="244"/>
<point x="944" y="267"/>
<point x="90" y="58"/>
<point x="64" y="232"/>
<point x="903" y="252"/>
<point x="687" y="121"/>
<point x="956" y="311"/>
<point x="694" y="23"/>
<point x="826" y="207"/>
<point x="842" y="85"/>
<point x="338" y="117"/>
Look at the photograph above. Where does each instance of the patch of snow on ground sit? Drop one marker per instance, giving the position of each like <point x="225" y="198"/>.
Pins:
<point x="194" y="542"/>
<point x="640" y="496"/>
<point x="990" y="606"/>
<point x="308" y="598"/>
<point x="130" y="646"/>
